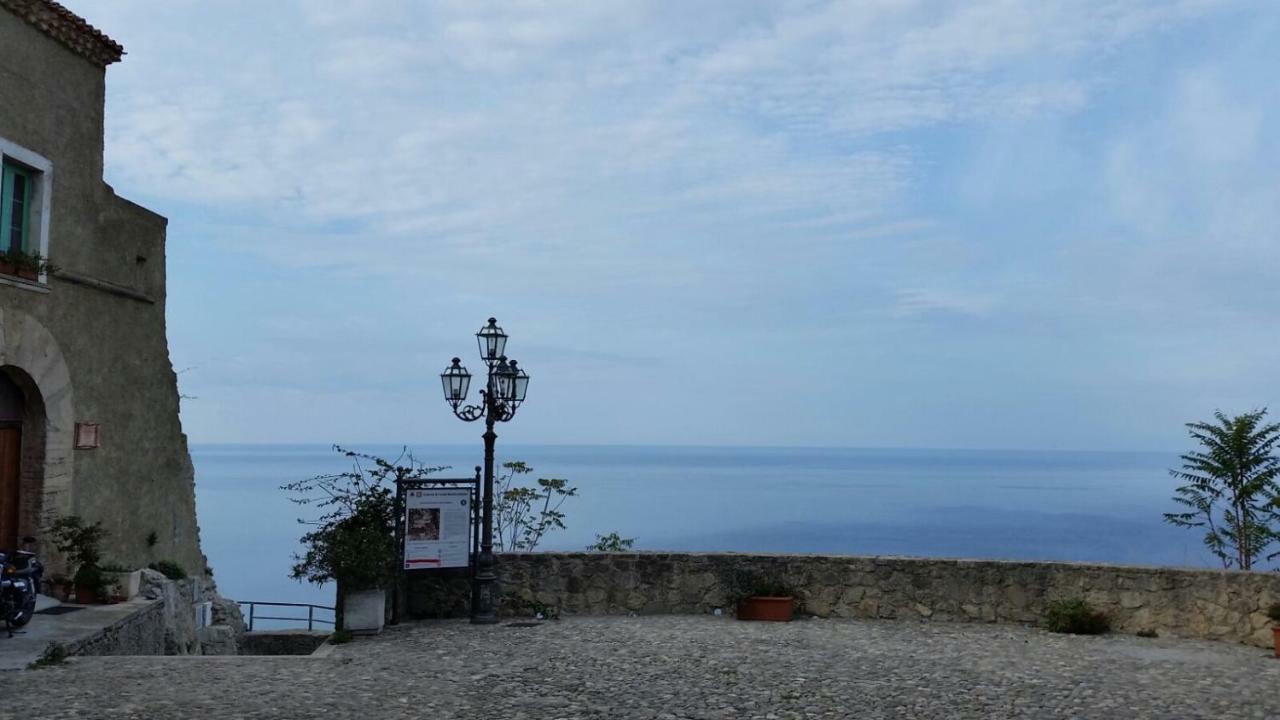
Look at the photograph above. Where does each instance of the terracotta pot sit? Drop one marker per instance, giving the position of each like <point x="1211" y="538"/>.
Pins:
<point x="86" y="595"/>
<point x="28" y="273"/>
<point x="1275" y="634"/>
<point x="7" y="268"/>
<point x="776" y="609"/>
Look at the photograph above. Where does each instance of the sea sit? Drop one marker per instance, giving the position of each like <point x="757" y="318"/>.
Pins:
<point x="1023" y="505"/>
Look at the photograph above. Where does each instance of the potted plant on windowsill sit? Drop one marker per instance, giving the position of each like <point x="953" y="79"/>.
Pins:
<point x="81" y="542"/>
<point x="759" y="597"/>
<point x="27" y="266"/>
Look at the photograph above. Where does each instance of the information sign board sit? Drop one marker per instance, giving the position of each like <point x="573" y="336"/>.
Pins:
<point x="437" y="531"/>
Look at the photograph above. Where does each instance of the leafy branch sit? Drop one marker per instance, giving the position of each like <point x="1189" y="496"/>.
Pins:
<point x="523" y="514"/>
<point x="353" y="540"/>
<point x="1231" y="487"/>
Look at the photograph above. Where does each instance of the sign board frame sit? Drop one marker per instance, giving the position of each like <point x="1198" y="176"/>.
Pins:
<point x="402" y="519"/>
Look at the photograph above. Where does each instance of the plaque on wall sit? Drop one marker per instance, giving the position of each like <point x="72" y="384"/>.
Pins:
<point x="88" y="436"/>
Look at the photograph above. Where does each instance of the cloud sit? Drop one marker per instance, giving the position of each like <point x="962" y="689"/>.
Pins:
<point x="924" y="303"/>
<point x="426" y="121"/>
<point x="1075" y="192"/>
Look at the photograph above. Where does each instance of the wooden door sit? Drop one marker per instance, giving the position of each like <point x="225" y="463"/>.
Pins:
<point x="10" y="451"/>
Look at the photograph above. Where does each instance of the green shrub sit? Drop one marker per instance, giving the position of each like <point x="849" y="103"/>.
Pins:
<point x="55" y="653"/>
<point x="1273" y="612"/>
<point x="613" y="542"/>
<point x="749" y="583"/>
<point x="81" y="542"/>
<point x="339" y="637"/>
<point x="1075" y="616"/>
<point x="169" y="569"/>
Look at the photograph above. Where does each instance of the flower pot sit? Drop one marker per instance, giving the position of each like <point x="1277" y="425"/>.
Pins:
<point x="1275" y="634"/>
<point x="86" y="595"/>
<point x="7" y="268"/>
<point x="363" y="611"/>
<point x="776" y="609"/>
<point x="28" y="273"/>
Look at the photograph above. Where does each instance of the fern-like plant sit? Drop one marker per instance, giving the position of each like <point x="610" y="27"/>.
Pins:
<point x="1231" y="487"/>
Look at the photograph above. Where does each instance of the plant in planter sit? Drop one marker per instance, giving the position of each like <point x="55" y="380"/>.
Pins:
<point x="759" y="597"/>
<point x="353" y="543"/>
<point x="1273" y="612"/>
<point x="60" y="587"/>
<point x="81" y="542"/>
<point x="115" y="582"/>
<point x="24" y="265"/>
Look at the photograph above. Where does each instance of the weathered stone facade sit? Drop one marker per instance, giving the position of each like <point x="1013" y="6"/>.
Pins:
<point x="1211" y="604"/>
<point x="86" y="343"/>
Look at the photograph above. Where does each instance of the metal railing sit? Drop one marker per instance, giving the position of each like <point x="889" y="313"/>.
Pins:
<point x="311" y="620"/>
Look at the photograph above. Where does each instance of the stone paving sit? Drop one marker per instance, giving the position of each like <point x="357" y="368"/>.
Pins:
<point x="667" y="667"/>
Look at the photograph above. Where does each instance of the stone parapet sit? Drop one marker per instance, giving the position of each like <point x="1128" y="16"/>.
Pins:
<point x="282" y="642"/>
<point x="1185" y="602"/>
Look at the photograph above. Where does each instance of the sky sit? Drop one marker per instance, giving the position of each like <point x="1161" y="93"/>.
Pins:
<point x="989" y="224"/>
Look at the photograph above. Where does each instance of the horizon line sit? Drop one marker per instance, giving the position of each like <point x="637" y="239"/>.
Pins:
<point x="688" y="446"/>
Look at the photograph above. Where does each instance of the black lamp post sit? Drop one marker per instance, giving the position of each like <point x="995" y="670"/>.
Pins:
<point x="503" y="393"/>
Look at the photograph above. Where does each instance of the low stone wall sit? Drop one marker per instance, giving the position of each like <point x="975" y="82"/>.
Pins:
<point x="1210" y="604"/>
<point x="281" y="642"/>
<point x="163" y="622"/>
<point x="142" y="632"/>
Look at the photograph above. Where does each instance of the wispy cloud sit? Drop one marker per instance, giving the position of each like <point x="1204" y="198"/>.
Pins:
<point x="635" y="179"/>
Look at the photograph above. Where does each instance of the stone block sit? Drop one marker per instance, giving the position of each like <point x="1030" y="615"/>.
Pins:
<point x="218" y="640"/>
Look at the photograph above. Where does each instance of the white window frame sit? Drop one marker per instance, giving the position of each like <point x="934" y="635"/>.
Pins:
<point x="42" y="193"/>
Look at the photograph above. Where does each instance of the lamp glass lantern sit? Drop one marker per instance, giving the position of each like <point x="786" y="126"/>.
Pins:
<point x="504" y="376"/>
<point x="519" y="384"/>
<point x="456" y="381"/>
<point x="492" y="341"/>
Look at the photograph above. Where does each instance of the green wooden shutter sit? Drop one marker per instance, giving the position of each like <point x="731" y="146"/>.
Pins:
<point x="6" y="206"/>
<point x="15" y="201"/>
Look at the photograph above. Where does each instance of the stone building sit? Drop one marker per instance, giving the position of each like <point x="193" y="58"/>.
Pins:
<point x="88" y="397"/>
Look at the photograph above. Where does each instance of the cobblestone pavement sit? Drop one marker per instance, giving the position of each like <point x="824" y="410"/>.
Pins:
<point x="679" y="667"/>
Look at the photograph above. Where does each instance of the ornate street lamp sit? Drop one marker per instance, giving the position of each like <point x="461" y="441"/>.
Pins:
<point x="503" y="392"/>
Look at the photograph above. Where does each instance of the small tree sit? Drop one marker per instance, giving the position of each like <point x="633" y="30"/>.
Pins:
<point x="1231" y="487"/>
<point x="523" y="514"/>
<point x="353" y="542"/>
<point x="81" y="542"/>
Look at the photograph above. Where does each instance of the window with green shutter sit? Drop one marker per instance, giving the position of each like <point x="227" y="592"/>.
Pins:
<point x="15" y="200"/>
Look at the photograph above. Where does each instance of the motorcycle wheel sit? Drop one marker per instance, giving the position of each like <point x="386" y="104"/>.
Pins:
<point x="23" y="615"/>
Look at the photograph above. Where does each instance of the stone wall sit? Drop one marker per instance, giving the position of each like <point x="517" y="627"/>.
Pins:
<point x="140" y="633"/>
<point x="1210" y="604"/>
<point x="163" y="622"/>
<point x="282" y="642"/>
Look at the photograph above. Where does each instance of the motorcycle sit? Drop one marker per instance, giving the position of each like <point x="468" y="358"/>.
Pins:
<point x="20" y="574"/>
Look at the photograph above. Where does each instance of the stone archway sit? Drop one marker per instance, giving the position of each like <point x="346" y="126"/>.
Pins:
<point x="31" y="359"/>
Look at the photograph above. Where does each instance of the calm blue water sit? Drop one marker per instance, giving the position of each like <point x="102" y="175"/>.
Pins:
<point x="1101" y="507"/>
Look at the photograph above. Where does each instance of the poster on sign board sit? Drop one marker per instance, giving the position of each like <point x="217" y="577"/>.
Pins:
<point x="437" y="530"/>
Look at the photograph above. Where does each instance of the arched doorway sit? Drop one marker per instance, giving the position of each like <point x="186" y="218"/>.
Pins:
<point x="12" y="414"/>
<point x="31" y="360"/>
<point x="23" y="430"/>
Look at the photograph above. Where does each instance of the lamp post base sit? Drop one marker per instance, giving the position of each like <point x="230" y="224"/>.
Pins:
<point x="484" y="608"/>
<point x="485" y="612"/>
